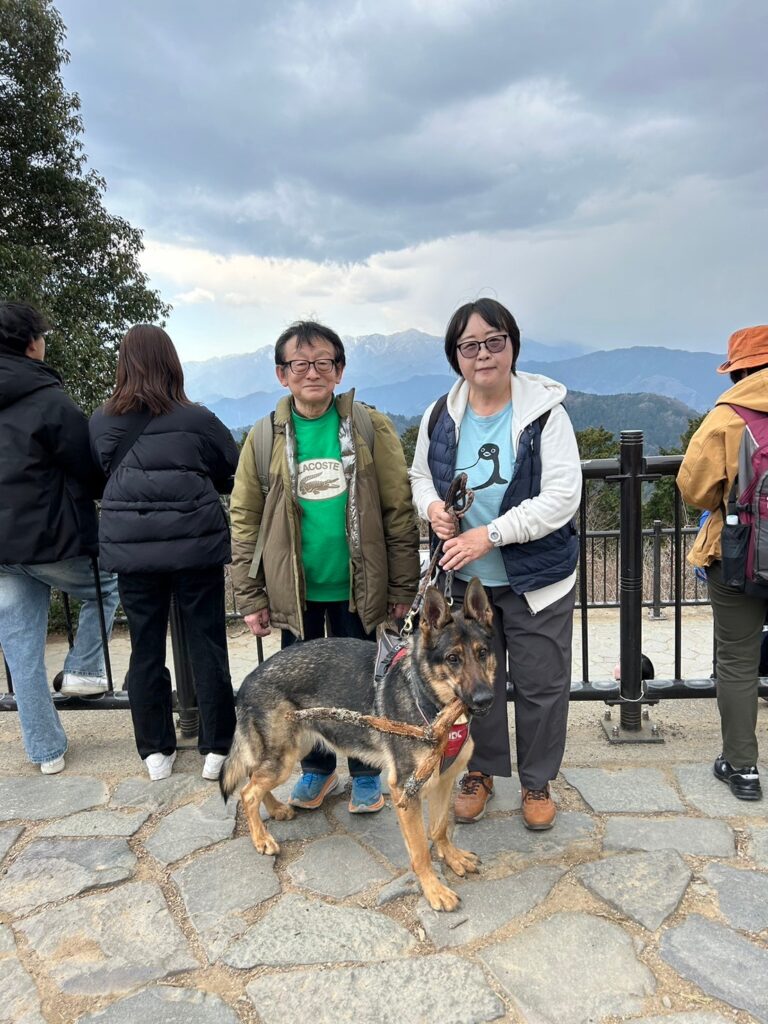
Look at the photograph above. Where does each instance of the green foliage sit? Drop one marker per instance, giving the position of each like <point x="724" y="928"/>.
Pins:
<point x="408" y="440"/>
<point x="602" y="497"/>
<point x="59" y="248"/>
<point x="662" y="420"/>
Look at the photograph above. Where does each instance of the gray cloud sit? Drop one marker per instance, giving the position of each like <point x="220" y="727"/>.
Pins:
<point x="339" y="129"/>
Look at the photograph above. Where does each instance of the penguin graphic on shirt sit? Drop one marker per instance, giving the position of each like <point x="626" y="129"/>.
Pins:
<point x="486" y="453"/>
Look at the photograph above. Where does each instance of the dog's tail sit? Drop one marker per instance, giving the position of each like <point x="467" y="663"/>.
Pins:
<point x="239" y="764"/>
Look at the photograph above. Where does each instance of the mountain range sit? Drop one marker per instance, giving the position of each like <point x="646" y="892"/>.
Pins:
<point x="402" y="373"/>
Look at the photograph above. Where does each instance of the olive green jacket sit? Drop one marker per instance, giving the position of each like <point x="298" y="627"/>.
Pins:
<point x="382" y="533"/>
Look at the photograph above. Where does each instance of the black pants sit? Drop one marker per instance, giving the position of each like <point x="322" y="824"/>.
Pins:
<point x="341" y="622"/>
<point x="146" y="599"/>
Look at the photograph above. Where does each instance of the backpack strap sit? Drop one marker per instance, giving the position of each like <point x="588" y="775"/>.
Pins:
<point x="262" y="438"/>
<point x="361" y="417"/>
<point x="263" y="435"/>
<point x="437" y="412"/>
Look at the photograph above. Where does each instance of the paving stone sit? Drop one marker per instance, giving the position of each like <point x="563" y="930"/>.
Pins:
<point x="683" y="1018"/>
<point x="7" y="945"/>
<point x="97" y="823"/>
<point x="43" y="797"/>
<point x="403" y="885"/>
<point x="191" y="828"/>
<point x="723" y="964"/>
<point x="381" y="831"/>
<point x="544" y="971"/>
<point x="743" y="896"/>
<point x="492" y="839"/>
<point x="642" y="790"/>
<point x="305" y="825"/>
<point x="429" y="990"/>
<point x="109" y="943"/>
<point x="219" y="886"/>
<point x="20" y="998"/>
<point x="506" y="795"/>
<point x="698" y="837"/>
<point x="487" y="906"/>
<point x="758" y="846"/>
<point x="51" y="869"/>
<point x="336" y="866"/>
<point x="157" y="796"/>
<point x="713" y="797"/>
<point x="8" y="837"/>
<point x="647" y="887"/>
<point x="298" y="931"/>
<point x="165" y="1005"/>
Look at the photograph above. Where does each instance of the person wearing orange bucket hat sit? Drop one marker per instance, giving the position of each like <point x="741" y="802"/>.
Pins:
<point x="718" y="459"/>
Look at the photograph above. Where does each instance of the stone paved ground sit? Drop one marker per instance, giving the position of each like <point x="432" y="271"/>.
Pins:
<point x="124" y="900"/>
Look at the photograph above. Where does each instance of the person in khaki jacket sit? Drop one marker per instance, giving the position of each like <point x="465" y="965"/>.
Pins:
<point x="708" y="471"/>
<point x="325" y="534"/>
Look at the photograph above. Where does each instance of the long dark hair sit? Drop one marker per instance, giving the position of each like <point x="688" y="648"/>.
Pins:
<point x="149" y="374"/>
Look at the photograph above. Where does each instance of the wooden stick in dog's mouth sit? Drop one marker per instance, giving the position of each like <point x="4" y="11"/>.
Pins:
<point x="435" y="733"/>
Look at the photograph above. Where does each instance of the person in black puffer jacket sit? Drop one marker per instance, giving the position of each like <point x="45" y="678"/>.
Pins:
<point x="47" y="532"/>
<point x="164" y="532"/>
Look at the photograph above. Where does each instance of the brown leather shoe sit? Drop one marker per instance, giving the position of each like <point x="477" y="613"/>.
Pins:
<point x="538" y="809"/>
<point x="475" y="790"/>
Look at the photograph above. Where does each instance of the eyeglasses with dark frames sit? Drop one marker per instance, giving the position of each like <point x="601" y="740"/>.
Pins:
<point x="496" y="343"/>
<point x="300" y="367"/>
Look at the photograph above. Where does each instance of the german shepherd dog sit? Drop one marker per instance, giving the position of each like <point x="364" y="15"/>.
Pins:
<point x="448" y="657"/>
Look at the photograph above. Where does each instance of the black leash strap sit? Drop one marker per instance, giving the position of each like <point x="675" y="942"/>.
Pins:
<point x="457" y="501"/>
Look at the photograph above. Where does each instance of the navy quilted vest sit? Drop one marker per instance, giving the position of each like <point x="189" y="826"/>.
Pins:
<point x="539" y="562"/>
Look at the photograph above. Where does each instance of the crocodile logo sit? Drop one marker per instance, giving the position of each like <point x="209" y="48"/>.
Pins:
<point x="319" y="479"/>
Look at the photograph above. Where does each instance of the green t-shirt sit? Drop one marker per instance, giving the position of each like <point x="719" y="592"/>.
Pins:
<point x="322" y="495"/>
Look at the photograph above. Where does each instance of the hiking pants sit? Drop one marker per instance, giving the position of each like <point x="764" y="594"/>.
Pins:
<point x="738" y="631"/>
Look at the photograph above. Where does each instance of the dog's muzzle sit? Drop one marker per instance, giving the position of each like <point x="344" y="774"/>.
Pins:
<point x="479" y="702"/>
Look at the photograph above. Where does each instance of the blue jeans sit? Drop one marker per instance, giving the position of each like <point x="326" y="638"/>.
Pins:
<point x="25" y="592"/>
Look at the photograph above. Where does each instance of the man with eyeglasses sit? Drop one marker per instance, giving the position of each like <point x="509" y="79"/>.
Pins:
<point x="324" y="536"/>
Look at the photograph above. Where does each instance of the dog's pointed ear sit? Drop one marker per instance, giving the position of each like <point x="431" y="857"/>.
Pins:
<point x="476" y="603"/>
<point x="435" y="612"/>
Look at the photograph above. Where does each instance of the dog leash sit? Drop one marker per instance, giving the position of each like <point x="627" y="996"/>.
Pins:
<point x="457" y="502"/>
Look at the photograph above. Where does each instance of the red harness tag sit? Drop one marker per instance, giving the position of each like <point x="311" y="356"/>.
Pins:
<point x="457" y="737"/>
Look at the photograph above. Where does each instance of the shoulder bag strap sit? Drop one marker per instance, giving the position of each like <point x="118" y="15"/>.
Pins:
<point x="134" y="430"/>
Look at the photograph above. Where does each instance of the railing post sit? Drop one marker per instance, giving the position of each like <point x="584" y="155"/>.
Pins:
<point x="631" y="580"/>
<point x="656" y="612"/>
<point x="182" y="670"/>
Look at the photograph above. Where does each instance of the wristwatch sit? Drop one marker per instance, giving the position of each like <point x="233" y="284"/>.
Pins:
<point x="494" y="534"/>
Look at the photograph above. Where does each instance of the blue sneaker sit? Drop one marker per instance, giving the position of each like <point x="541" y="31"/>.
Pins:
<point x="366" y="795"/>
<point x="312" y="788"/>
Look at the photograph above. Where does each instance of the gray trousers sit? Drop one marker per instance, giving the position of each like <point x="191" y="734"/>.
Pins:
<point x="738" y="632"/>
<point x="537" y="649"/>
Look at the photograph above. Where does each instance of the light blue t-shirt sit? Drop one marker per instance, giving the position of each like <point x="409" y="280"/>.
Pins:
<point x="486" y="453"/>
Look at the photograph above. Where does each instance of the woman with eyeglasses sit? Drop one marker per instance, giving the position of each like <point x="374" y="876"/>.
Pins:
<point x="164" y="532"/>
<point x="508" y="431"/>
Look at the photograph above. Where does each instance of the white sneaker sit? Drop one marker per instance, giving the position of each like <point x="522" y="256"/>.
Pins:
<point x="53" y="767"/>
<point x="212" y="766"/>
<point x="82" y="686"/>
<point x="159" y="765"/>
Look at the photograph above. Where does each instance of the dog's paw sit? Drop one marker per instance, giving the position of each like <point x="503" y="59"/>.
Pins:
<point x="439" y="896"/>
<point x="283" y="812"/>
<point x="461" y="862"/>
<point x="267" y="845"/>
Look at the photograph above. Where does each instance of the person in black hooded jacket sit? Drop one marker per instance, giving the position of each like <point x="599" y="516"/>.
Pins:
<point x="47" y="532"/>
<point x="164" y="532"/>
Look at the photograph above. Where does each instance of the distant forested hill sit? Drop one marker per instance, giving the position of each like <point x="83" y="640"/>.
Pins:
<point x="662" y="420"/>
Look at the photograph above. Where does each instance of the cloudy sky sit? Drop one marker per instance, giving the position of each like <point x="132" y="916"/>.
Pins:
<point x="600" y="167"/>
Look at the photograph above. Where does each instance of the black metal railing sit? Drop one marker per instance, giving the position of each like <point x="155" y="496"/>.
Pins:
<point x="646" y="572"/>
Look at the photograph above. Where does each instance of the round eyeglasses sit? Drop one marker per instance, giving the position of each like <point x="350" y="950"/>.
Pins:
<point x="300" y="367"/>
<point x="496" y="343"/>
